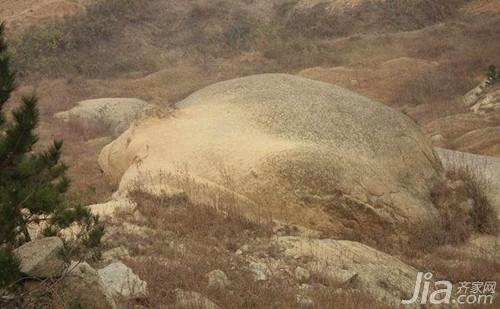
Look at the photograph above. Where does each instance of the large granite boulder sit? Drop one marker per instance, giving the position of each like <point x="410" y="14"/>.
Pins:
<point x="298" y="150"/>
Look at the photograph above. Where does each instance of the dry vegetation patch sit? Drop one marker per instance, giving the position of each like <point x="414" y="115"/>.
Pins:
<point x="463" y="209"/>
<point x="175" y="243"/>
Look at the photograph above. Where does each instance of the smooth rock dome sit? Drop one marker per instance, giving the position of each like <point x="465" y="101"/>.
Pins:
<point x="113" y="114"/>
<point x="298" y="150"/>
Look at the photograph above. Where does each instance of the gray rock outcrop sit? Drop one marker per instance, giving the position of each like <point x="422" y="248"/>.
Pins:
<point x="113" y="115"/>
<point x="276" y="140"/>
<point x="41" y="258"/>
<point x="121" y="281"/>
<point x="83" y="287"/>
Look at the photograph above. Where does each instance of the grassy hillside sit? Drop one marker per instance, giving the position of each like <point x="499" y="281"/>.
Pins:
<point x="114" y="38"/>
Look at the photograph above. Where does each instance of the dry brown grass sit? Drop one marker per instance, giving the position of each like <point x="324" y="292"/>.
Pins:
<point x="186" y="241"/>
<point x="457" y="266"/>
<point x="463" y="209"/>
<point x="322" y="20"/>
<point x="186" y="219"/>
<point x="443" y="84"/>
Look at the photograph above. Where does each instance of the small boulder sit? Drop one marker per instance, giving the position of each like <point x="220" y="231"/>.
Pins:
<point x="218" y="279"/>
<point x="188" y="299"/>
<point x="302" y="274"/>
<point x="83" y="286"/>
<point x="121" y="281"/>
<point x="260" y="271"/>
<point x="41" y="258"/>
<point x="115" y="254"/>
<point x="304" y="301"/>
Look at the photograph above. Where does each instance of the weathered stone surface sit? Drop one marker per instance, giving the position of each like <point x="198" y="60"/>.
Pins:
<point x="115" y="254"/>
<point x="82" y="286"/>
<point x="218" y="279"/>
<point x="302" y="274"/>
<point x="122" y="282"/>
<point x="489" y="102"/>
<point x="41" y="258"/>
<point x="284" y="140"/>
<point x="107" y="114"/>
<point x="471" y="97"/>
<point x="382" y="275"/>
<point x="259" y="270"/>
<point x="108" y="209"/>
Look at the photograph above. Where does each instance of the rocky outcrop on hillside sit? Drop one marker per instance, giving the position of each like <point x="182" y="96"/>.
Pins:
<point x="355" y="265"/>
<point x="45" y="272"/>
<point x="487" y="103"/>
<point x="282" y="140"/>
<point x="113" y="115"/>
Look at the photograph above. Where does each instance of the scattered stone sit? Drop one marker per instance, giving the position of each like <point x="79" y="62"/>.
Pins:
<point x="121" y="281"/>
<point x="115" y="254"/>
<point x="218" y="279"/>
<point x="302" y="274"/>
<point x="259" y="270"/>
<point x="305" y="287"/>
<point x="99" y="142"/>
<point x="489" y="102"/>
<point x="188" y="299"/>
<point x="108" y="209"/>
<point x="304" y="301"/>
<point x="41" y="258"/>
<point x="82" y="285"/>
<point x="471" y="97"/>
<point x="438" y="138"/>
<point x="387" y="278"/>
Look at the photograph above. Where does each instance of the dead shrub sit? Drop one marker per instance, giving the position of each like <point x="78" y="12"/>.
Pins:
<point x="483" y="214"/>
<point x="463" y="208"/>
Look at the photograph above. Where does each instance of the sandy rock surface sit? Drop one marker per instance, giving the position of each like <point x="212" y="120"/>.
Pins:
<point x="107" y="114"/>
<point x="275" y="137"/>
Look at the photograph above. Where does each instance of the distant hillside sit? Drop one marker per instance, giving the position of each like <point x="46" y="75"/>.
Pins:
<point x="21" y="14"/>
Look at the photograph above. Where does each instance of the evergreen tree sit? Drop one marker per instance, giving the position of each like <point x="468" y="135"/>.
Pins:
<point x="32" y="185"/>
<point x="493" y="74"/>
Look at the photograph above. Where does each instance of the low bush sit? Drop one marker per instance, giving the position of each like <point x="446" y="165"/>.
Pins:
<point x="463" y="209"/>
